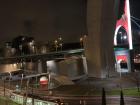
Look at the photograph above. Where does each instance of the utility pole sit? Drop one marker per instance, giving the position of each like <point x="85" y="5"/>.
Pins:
<point x="21" y="82"/>
<point x="26" y="93"/>
<point x="32" y="95"/>
<point x="4" y="87"/>
<point x="10" y="77"/>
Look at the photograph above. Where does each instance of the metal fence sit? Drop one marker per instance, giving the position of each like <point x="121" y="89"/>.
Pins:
<point x="30" y="101"/>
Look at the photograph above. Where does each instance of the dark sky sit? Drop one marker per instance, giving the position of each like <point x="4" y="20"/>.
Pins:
<point x="135" y="20"/>
<point x="135" y="8"/>
<point x="48" y="18"/>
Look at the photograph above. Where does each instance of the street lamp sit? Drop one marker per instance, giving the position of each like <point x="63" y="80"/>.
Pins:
<point x="81" y="42"/>
<point x="21" y="82"/>
<point x="49" y="79"/>
<point x="10" y="77"/>
<point x="60" y="41"/>
<point x="56" y="45"/>
<point x="4" y="87"/>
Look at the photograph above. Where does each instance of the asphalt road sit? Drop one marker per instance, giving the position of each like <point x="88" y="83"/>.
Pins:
<point x="114" y="100"/>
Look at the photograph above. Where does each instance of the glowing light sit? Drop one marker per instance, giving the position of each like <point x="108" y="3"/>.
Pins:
<point x="124" y="37"/>
<point x="50" y="63"/>
<point x="55" y="41"/>
<point x="15" y="65"/>
<point x="81" y="39"/>
<point x="85" y="36"/>
<point x="60" y="38"/>
<point x="115" y="36"/>
<point x="129" y="25"/>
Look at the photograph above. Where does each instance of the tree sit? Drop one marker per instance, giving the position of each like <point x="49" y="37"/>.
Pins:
<point x="121" y="98"/>
<point x="103" y="97"/>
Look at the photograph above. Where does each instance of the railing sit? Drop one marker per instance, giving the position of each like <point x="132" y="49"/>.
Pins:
<point x="30" y="101"/>
<point x="47" y="56"/>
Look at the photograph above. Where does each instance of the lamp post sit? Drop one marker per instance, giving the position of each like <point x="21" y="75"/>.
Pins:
<point x="21" y="82"/>
<point x="4" y="86"/>
<point x="10" y="77"/>
<point x="26" y="92"/>
<point x="60" y="41"/>
<point x="32" y="94"/>
<point x="56" y="45"/>
<point x="49" y="82"/>
<point x="81" y="42"/>
<point x="49" y="79"/>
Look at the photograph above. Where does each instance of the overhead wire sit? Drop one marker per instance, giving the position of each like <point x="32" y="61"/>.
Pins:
<point x="133" y="20"/>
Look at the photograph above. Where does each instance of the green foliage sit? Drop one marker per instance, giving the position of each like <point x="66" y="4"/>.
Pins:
<point x="6" y="101"/>
<point x="84" y="91"/>
<point x="131" y="92"/>
<point x="126" y="92"/>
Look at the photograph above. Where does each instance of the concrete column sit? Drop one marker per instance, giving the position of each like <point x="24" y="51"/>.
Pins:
<point x="101" y="19"/>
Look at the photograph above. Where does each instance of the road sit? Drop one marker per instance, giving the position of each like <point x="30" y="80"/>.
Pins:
<point x="114" y="100"/>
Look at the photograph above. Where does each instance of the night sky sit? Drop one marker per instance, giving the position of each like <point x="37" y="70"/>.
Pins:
<point x="135" y="20"/>
<point x="50" y="20"/>
<point x="135" y="8"/>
